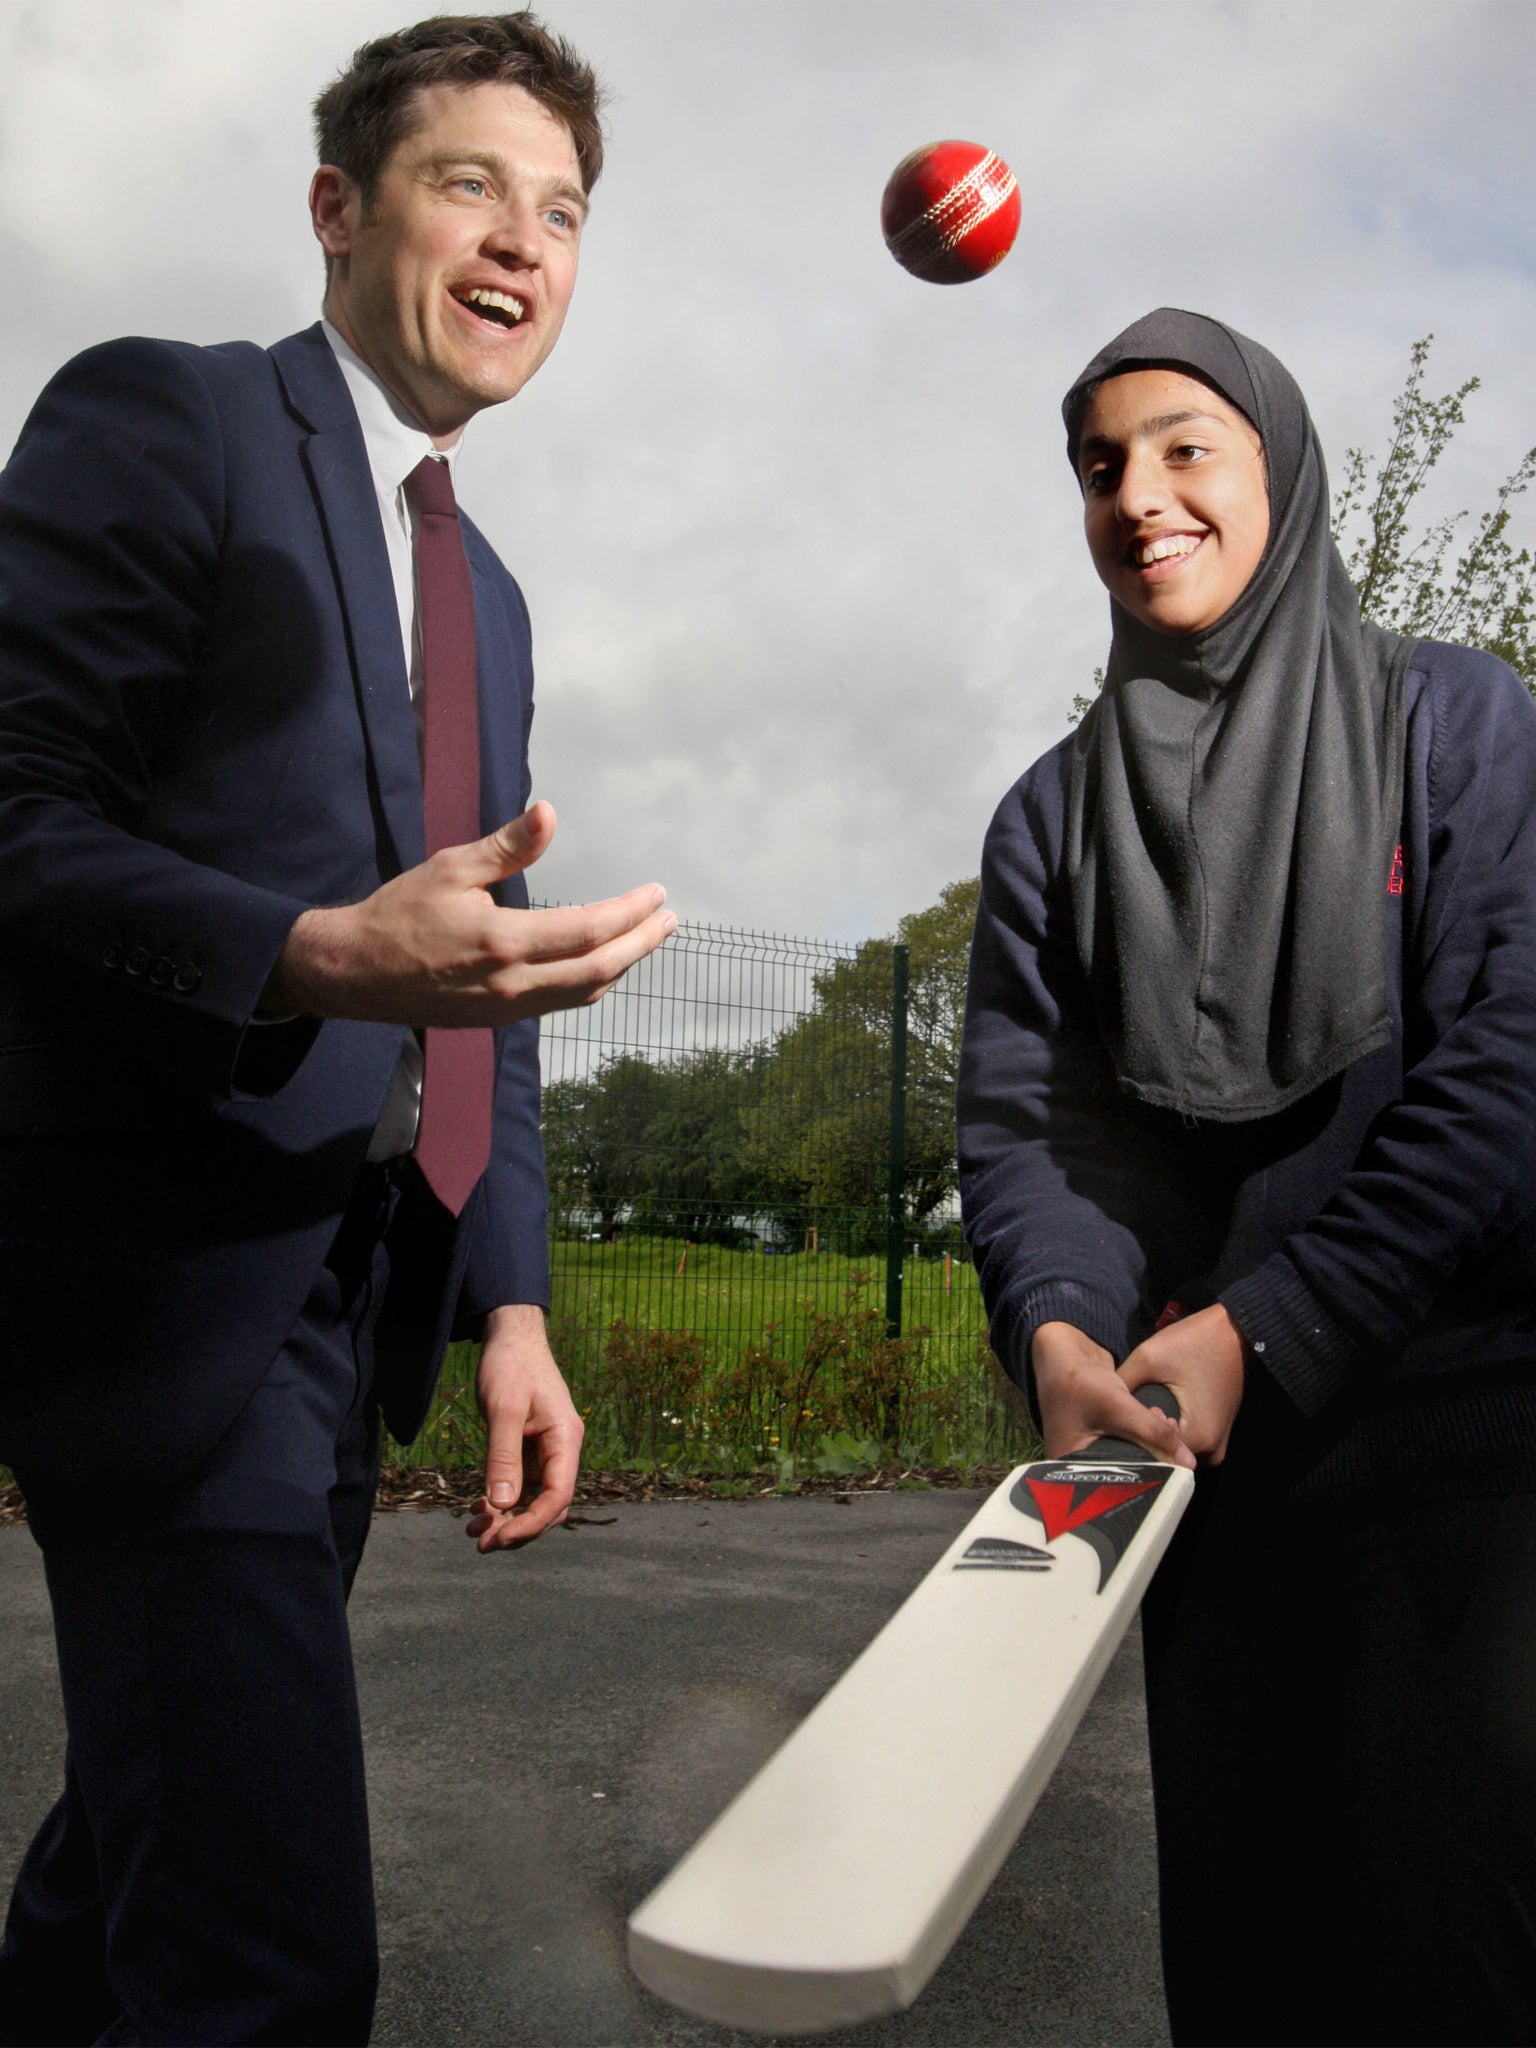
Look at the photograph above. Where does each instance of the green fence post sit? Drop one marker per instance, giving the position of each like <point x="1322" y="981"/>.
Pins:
<point x="895" y="1209"/>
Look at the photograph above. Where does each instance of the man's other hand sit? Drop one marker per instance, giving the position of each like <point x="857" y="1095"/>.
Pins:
<point x="535" y="1434"/>
<point x="433" y="947"/>
<point x="1082" y="1396"/>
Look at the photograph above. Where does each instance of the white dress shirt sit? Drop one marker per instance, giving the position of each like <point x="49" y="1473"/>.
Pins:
<point x="395" y="445"/>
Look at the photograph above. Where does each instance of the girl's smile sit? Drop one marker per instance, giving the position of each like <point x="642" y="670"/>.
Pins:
<point x="1175" y="500"/>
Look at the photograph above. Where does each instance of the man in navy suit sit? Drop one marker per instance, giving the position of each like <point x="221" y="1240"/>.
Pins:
<point x="269" y="989"/>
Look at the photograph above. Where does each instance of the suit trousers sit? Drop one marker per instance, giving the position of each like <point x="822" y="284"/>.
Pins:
<point x="1341" y="1702"/>
<point x="205" y="1876"/>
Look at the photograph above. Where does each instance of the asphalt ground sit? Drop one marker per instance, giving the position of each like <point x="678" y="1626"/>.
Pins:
<point x="653" y="1659"/>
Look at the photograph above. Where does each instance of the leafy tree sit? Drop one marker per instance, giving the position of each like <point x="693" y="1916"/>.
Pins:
<point x="939" y="939"/>
<point x="1416" y="582"/>
<point x="597" y="1137"/>
<point x="818" y="1130"/>
<point x="657" y="1142"/>
<point x="814" y="1135"/>
<point x="1080" y="703"/>
<point x="696" y="1183"/>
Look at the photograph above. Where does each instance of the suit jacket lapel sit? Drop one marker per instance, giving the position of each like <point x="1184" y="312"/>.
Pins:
<point x="337" y="463"/>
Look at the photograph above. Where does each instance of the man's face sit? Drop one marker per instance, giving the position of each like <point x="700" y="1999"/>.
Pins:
<point x="452" y="283"/>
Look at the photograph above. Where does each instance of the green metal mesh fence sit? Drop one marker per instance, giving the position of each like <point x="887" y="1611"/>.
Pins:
<point x="756" y="1255"/>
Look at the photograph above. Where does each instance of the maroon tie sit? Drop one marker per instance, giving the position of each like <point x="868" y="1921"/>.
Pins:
<point x="453" y="1136"/>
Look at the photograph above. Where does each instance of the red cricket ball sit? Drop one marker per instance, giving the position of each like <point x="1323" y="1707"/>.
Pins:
<point x="950" y="212"/>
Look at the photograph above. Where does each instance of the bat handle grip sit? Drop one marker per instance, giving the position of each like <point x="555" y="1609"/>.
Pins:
<point x="1120" y="1451"/>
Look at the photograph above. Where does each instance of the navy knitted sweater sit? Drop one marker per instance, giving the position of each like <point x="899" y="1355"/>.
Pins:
<point x="1375" y="1243"/>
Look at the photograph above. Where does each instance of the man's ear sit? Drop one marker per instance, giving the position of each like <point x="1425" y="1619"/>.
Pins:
<point x="334" y="210"/>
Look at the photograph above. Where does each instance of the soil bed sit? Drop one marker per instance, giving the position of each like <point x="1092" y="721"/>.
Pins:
<point x="415" y="1488"/>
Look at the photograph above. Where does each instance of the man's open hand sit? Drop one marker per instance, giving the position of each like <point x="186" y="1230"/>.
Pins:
<point x="534" y="1433"/>
<point x="432" y="947"/>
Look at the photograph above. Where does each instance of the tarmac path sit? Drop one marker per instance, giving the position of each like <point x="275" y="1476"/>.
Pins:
<point x="548" y="1730"/>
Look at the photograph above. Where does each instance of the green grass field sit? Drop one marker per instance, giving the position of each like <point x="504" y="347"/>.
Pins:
<point x="729" y="1300"/>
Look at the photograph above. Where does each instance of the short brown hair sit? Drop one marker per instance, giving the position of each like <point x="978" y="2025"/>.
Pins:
<point x="368" y="110"/>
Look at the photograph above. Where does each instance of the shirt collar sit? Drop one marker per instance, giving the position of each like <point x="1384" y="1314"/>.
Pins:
<point x="394" y="441"/>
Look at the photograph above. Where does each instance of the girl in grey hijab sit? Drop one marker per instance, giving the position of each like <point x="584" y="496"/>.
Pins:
<point x="1235" y="790"/>
<point x="1248" y="1108"/>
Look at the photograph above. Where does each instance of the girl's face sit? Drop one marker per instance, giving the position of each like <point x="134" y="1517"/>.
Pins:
<point x="1175" y="499"/>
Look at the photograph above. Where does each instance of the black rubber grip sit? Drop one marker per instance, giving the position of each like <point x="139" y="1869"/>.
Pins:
<point x="1160" y="1398"/>
<point x="1116" y="1449"/>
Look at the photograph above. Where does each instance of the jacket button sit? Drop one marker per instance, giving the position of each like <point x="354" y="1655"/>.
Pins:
<point x="187" y="978"/>
<point x="160" y="972"/>
<point x="137" y="961"/>
<point x="113" y="954"/>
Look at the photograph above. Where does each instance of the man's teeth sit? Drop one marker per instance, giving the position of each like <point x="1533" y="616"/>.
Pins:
<point x="500" y="302"/>
<point x="1175" y="544"/>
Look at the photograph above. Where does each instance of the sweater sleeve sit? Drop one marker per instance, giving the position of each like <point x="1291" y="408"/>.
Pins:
<point x="1447" y="1169"/>
<point x="1043" y="1175"/>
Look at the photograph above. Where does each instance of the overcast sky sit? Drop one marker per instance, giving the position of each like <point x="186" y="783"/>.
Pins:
<point x="800" y="542"/>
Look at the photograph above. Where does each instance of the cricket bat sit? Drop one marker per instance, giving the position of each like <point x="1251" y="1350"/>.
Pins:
<point x="834" y="1884"/>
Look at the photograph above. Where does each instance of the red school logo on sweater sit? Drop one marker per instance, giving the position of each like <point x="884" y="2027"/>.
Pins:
<point x="1395" y="879"/>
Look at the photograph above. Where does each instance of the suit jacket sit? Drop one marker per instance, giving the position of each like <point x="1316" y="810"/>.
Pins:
<point x="206" y="728"/>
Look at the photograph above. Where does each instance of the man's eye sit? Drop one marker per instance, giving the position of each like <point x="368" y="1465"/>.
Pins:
<point x="1099" y="481"/>
<point x="561" y="218"/>
<point x="474" y="186"/>
<point x="1189" y="451"/>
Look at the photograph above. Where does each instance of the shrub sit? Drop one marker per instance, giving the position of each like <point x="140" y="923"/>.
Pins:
<point x="747" y="1405"/>
<point x="651" y="1383"/>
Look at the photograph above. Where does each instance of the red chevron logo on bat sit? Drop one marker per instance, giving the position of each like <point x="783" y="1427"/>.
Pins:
<point x="1102" y="1504"/>
<point x="1061" y="1509"/>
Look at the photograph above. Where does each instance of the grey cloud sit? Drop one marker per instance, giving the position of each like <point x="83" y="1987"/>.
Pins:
<point x="800" y="543"/>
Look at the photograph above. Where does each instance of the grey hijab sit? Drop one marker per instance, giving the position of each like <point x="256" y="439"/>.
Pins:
<point x="1235" y="793"/>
